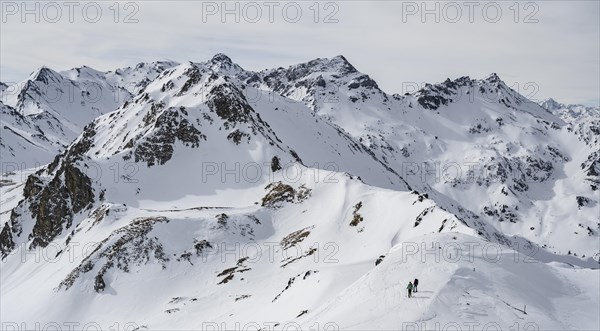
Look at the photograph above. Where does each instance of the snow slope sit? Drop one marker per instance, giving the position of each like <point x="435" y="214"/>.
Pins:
<point x="185" y="283"/>
<point x="476" y="288"/>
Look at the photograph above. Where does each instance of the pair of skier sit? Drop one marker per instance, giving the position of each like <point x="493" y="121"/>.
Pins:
<point x="412" y="287"/>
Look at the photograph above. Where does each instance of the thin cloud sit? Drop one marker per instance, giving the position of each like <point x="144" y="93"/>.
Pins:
<point x="559" y="53"/>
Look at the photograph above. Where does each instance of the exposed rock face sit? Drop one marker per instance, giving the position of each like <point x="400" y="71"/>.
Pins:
<point x="52" y="204"/>
<point x="318" y="82"/>
<point x="424" y="213"/>
<point x="591" y="168"/>
<point x="171" y="126"/>
<point x="6" y="240"/>
<point x="55" y="203"/>
<point x="53" y="197"/>
<point x="278" y="193"/>
<point x="228" y="102"/>
<point x="99" y="284"/>
<point x="236" y="136"/>
<point x="295" y="237"/>
<point x="229" y="273"/>
<point x="194" y="75"/>
<point x="275" y="164"/>
<point x="356" y="217"/>
<point x="126" y="247"/>
<point x="433" y="96"/>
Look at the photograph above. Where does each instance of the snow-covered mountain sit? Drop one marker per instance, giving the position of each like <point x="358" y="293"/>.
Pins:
<point x="214" y="194"/>
<point x="584" y="122"/>
<point x="478" y="143"/>
<point x="43" y="114"/>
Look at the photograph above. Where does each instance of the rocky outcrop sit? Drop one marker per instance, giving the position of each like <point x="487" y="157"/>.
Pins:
<point x="54" y="205"/>
<point x="356" y="217"/>
<point x="125" y="248"/>
<point x="170" y="126"/>
<point x="278" y="194"/>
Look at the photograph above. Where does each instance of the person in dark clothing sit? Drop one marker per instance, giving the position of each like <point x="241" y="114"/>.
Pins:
<point x="415" y="284"/>
<point x="409" y="288"/>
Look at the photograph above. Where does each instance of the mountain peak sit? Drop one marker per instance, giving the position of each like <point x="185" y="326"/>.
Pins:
<point x="493" y="78"/>
<point x="341" y="63"/>
<point x="149" y="66"/>
<point x="551" y="104"/>
<point x="44" y="74"/>
<point x="83" y="71"/>
<point x="340" y="58"/>
<point x="220" y="57"/>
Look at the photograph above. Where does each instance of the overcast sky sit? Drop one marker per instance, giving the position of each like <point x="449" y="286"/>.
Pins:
<point x="541" y="48"/>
